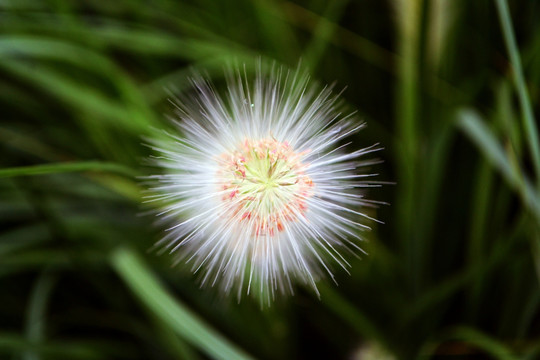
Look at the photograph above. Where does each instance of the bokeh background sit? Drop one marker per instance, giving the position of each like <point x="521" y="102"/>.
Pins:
<point x="448" y="87"/>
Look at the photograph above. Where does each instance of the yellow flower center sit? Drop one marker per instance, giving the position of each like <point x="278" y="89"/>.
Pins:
<point x="264" y="185"/>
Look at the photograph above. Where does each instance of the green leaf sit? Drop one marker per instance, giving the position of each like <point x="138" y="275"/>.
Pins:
<point x="471" y="123"/>
<point x="64" y="168"/>
<point x="529" y="123"/>
<point x="483" y="342"/>
<point x="15" y="344"/>
<point x="352" y="315"/>
<point x="171" y="311"/>
<point x="36" y="312"/>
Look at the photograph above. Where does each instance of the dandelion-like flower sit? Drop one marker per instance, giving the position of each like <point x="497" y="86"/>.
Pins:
<point x="257" y="186"/>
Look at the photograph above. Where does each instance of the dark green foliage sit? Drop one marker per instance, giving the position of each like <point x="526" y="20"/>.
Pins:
<point x="448" y="87"/>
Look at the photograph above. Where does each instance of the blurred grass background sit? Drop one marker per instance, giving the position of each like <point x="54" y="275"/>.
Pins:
<point x="448" y="87"/>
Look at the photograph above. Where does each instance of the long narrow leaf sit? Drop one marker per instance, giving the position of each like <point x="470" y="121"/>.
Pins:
<point x="484" y="342"/>
<point x="65" y="167"/>
<point x="147" y="288"/>
<point x="519" y="80"/>
<point x="474" y="127"/>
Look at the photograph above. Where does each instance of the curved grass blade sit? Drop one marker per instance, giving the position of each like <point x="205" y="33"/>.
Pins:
<point x="529" y="122"/>
<point x="147" y="288"/>
<point x="12" y="344"/>
<point x="471" y="123"/>
<point x="64" y="168"/>
<point x="37" y="308"/>
<point x="481" y="341"/>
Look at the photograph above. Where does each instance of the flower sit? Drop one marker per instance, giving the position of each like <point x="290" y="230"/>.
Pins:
<point x="256" y="185"/>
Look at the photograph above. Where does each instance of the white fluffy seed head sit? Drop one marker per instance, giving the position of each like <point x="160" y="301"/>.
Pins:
<point x="257" y="185"/>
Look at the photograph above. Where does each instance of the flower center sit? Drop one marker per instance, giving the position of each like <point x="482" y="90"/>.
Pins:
<point x="264" y="185"/>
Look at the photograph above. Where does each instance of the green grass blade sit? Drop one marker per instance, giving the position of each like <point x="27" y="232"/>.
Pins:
<point x="13" y="344"/>
<point x="475" y="128"/>
<point x="23" y="237"/>
<point x="445" y="288"/>
<point x="349" y="313"/>
<point x="484" y="342"/>
<point x="339" y="36"/>
<point x="529" y="122"/>
<point x="277" y="33"/>
<point x="323" y="32"/>
<point x="476" y="248"/>
<point x="43" y="48"/>
<point x="409" y="137"/>
<point x="147" y="288"/>
<point x="176" y="345"/>
<point x="64" y="168"/>
<point x="79" y="96"/>
<point x="471" y="123"/>
<point x="35" y="322"/>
